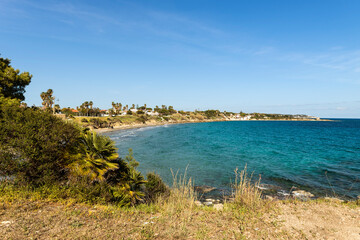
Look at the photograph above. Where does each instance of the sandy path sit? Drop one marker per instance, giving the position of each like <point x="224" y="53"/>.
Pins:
<point x="320" y="220"/>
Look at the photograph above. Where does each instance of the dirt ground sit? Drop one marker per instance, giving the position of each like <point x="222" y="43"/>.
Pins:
<point x="324" y="220"/>
<point x="289" y="220"/>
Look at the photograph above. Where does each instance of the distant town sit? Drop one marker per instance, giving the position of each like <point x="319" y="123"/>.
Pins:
<point x="120" y="114"/>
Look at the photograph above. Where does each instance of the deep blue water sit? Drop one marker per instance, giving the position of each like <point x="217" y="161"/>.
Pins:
<point x="318" y="156"/>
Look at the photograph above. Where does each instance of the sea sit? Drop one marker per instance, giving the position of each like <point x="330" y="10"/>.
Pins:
<point x="322" y="157"/>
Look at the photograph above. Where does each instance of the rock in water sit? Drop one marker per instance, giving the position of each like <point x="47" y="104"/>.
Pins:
<point x="204" y="189"/>
<point x="301" y="194"/>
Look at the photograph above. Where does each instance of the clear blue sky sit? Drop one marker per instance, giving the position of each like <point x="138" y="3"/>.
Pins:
<point x="256" y="56"/>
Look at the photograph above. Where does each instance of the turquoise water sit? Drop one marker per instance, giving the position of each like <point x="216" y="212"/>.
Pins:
<point x="322" y="157"/>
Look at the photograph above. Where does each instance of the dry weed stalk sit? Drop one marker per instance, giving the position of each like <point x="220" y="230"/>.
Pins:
<point x="246" y="193"/>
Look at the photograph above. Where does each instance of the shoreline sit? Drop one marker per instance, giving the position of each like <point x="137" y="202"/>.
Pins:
<point x="152" y="124"/>
<point x="273" y="192"/>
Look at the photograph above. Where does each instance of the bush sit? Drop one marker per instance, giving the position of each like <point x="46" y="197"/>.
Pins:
<point x="142" y="119"/>
<point x="36" y="147"/>
<point x="211" y="113"/>
<point x="140" y="112"/>
<point x="58" y="160"/>
<point x="99" y="123"/>
<point x="155" y="187"/>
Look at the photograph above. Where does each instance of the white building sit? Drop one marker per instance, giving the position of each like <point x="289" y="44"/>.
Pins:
<point x="152" y="113"/>
<point x="247" y="117"/>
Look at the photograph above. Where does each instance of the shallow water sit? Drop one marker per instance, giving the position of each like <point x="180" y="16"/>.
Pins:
<point x="322" y="157"/>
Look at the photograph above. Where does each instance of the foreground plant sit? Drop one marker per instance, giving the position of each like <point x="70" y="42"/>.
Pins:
<point x="36" y="147"/>
<point x="245" y="192"/>
<point x="95" y="156"/>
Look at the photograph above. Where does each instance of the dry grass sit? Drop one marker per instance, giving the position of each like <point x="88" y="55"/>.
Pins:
<point x="50" y="220"/>
<point x="176" y="217"/>
<point x="182" y="193"/>
<point x="245" y="192"/>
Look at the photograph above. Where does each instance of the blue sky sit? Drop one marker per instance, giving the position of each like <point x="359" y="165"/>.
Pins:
<point x="256" y="56"/>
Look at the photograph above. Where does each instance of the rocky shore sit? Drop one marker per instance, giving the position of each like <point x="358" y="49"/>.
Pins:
<point x="210" y="197"/>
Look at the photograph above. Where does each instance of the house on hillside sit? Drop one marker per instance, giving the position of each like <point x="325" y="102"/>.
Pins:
<point x="104" y="113"/>
<point x="247" y="117"/>
<point x="152" y="113"/>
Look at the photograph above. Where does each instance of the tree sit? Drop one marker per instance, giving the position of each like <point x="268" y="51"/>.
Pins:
<point x="84" y="108"/>
<point x="35" y="146"/>
<point x="135" y="179"/>
<point x="57" y="108"/>
<point x="67" y="111"/>
<point x="86" y="105"/>
<point x="131" y="160"/>
<point x="12" y="82"/>
<point x="116" y="107"/>
<point x="171" y="110"/>
<point x="113" y="106"/>
<point x="211" y="113"/>
<point x="48" y="99"/>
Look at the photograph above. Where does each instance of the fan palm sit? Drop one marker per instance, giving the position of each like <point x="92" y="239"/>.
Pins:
<point x="96" y="153"/>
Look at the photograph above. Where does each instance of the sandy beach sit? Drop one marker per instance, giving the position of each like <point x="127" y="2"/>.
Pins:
<point x="118" y="127"/>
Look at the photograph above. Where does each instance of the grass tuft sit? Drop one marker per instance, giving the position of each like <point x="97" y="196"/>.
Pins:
<point x="246" y="193"/>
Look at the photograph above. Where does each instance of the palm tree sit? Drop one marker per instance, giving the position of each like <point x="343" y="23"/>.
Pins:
<point x="86" y="104"/>
<point x="48" y="99"/>
<point x="113" y="105"/>
<point x="156" y="109"/>
<point x="116" y="107"/>
<point x="95" y="157"/>
<point x="43" y="97"/>
<point x="119" y="107"/>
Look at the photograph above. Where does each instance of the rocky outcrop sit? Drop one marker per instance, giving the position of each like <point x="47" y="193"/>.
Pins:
<point x="209" y="202"/>
<point x="204" y="189"/>
<point x="301" y="194"/>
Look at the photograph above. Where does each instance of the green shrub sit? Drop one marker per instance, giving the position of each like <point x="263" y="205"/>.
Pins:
<point x="51" y="158"/>
<point x="211" y="113"/>
<point x="119" y="175"/>
<point x="142" y="119"/>
<point x="155" y="187"/>
<point x="36" y="147"/>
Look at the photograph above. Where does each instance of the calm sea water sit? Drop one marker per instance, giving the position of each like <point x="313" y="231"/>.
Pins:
<point x="321" y="157"/>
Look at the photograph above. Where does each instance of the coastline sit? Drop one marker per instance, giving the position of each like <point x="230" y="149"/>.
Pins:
<point x="155" y="123"/>
<point x="269" y="191"/>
